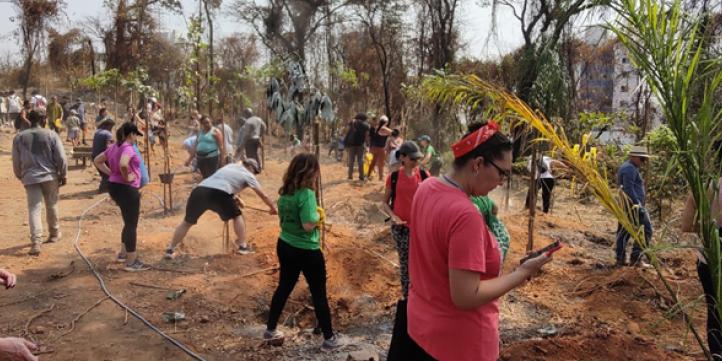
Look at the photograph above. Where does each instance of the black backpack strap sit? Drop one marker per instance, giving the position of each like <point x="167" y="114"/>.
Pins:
<point x="424" y="174"/>
<point x="394" y="181"/>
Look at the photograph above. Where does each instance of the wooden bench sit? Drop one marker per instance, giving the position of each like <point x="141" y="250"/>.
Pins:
<point x="82" y="152"/>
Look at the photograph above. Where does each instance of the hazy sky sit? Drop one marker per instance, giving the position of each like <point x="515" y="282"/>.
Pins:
<point x="474" y="22"/>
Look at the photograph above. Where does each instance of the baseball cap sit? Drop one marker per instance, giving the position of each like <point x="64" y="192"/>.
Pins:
<point x="253" y="165"/>
<point x="410" y="149"/>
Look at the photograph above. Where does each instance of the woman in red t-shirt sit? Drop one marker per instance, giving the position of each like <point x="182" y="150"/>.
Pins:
<point x="454" y="261"/>
<point x="401" y="185"/>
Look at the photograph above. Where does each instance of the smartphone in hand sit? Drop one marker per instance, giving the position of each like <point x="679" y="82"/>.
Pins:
<point x="549" y="250"/>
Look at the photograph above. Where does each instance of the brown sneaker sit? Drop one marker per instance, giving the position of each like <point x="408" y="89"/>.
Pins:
<point x="53" y="239"/>
<point x="35" y="249"/>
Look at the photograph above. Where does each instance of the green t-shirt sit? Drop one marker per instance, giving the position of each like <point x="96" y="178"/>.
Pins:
<point x="430" y="150"/>
<point x="295" y="210"/>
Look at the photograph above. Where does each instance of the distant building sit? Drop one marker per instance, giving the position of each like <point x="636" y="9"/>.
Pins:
<point x="595" y="74"/>
<point x="609" y="83"/>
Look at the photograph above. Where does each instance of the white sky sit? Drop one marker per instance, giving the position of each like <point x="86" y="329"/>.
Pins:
<point x="474" y="22"/>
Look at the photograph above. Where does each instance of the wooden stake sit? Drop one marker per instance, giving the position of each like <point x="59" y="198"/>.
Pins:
<point x="226" y="238"/>
<point x="532" y="199"/>
<point x="147" y="137"/>
<point x="319" y="184"/>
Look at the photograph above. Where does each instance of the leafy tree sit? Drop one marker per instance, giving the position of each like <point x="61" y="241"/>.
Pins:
<point x="33" y="17"/>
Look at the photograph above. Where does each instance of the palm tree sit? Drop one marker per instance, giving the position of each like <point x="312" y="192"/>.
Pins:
<point x="665" y="45"/>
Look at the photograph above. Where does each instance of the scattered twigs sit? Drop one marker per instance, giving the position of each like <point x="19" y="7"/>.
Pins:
<point x="26" y="299"/>
<point x="605" y="285"/>
<point x="656" y="291"/>
<point x="77" y="318"/>
<point x="379" y="255"/>
<point x="59" y="275"/>
<point x="138" y="284"/>
<point x="259" y="271"/>
<point x="172" y="270"/>
<point x="26" y="331"/>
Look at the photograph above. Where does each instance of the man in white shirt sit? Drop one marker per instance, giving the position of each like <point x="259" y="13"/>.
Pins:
<point x="37" y="101"/>
<point x="545" y="179"/>
<point x="227" y="132"/>
<point x="14" y="105"/>
<point x="254" y="129"/>
<point x="3" y="110"/>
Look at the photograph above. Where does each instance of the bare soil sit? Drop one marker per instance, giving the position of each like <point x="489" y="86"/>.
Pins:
<point x="579" y="309"/>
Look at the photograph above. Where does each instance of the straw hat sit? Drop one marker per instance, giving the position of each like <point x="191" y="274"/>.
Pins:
<point x="639" y="151"/>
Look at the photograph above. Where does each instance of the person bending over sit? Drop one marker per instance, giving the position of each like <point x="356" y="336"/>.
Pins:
<point x="217" y="193"/>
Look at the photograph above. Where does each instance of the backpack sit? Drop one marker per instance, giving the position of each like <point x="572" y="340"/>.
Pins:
<point x="395" y="179"/>
<point x="541" y="165"/>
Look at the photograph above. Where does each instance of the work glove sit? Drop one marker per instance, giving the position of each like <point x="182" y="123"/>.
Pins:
<point x="321" y="216"/>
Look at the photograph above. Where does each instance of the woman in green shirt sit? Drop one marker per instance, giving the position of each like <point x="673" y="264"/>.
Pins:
<point x="432" y="160"/>
<point x="299" y="248"/>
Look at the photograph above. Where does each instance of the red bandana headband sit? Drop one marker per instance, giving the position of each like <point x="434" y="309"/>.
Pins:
<point x="473" y="140"/>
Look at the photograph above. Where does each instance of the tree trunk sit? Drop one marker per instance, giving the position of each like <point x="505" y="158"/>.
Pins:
<point x="26" y="76"/>
<point x="210" y="57"/>
<point x="92" y="56"/>
<point x="532" y="199"/>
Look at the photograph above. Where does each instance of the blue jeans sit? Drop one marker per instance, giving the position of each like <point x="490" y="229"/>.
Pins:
<point x="623" y="237"/>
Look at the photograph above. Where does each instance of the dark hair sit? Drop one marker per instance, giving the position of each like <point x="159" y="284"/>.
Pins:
<point x="35" y="117"/>
<point x="395" y="133"/>
<point x="108" y="124"/>
<point x="119" y="135"/>
<point x="300" y="174"/>
<point x="26" y="103"/>
<point x="102" y="110"/>
<point x="361" y="116"/>
<point x="492" y="149"/>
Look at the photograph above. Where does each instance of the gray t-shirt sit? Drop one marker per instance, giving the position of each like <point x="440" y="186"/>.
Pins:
<point x="254" y="127"/>
<point x="231" y="179"/>
<point x="38" y="156"/>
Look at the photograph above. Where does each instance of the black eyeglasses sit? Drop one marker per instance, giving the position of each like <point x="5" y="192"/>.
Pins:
<point x="504" y="174"/>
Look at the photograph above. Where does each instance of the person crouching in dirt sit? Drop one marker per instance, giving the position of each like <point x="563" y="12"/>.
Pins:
<point x="690" y="224"/>
<point x="102" y="139"/>
<point x="217" y="193"/>
<point x="14" y="348"/>
<point x="299" y="248"/>
<point x="122" y="164"/>
<point x="454" y="262"/>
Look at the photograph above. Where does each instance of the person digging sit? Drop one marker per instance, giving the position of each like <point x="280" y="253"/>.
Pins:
<point x="217" y="193"/>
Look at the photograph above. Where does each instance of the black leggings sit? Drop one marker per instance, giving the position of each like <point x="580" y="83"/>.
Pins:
<point x="714" y="335"/>
<point x="402" y="346"/>
<point x="293" y="261"/>
<point x="207" y="165"/>
<point x="128" y="199"/>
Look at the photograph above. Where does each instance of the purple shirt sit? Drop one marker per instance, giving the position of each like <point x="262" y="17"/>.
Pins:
<point x="114" y="153"/>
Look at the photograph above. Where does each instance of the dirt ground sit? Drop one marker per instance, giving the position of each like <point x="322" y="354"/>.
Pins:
<point x="579" y="309"/>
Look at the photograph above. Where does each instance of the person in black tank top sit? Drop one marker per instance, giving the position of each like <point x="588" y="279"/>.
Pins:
<point x="377" y="137"/>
